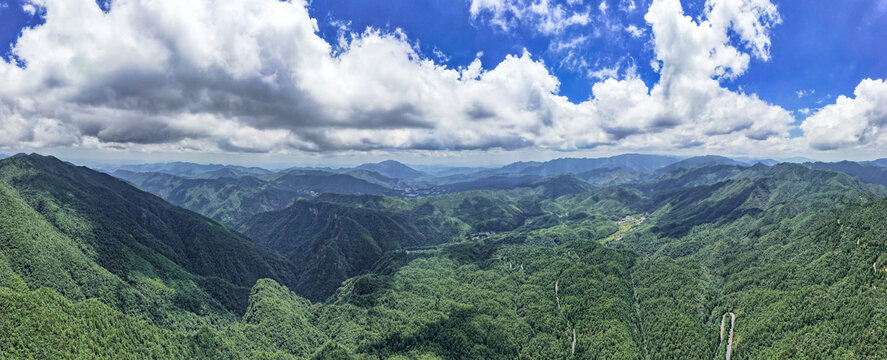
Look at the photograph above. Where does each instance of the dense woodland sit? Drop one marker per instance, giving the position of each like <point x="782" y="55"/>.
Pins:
<point x="633" y="257"/>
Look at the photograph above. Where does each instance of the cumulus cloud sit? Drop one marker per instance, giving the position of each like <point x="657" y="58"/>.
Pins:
<point x="254" y="76"/>
<point x="859" y="122"/>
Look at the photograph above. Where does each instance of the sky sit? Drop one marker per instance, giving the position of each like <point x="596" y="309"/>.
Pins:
<point x="432" y="81"/>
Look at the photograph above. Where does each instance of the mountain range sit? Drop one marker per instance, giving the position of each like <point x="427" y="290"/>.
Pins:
<point x="639" y="257"/>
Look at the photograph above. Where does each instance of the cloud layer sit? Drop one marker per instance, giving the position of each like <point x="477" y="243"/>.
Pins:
<point x="254" y="76"/>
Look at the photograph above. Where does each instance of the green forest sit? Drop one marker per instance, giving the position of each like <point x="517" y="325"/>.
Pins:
<point x="598" y="265"/>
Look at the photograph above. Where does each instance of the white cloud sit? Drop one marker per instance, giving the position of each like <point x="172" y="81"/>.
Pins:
<point x="29" y="9"/>
<point x="253" y="75"/>
<point x="859" y="122"/>
<point x="545" y="16"/>
<point x="603" y="7"/>
<point x="803" y="93"/>
<point x="604" y="73"/>
<point x="634" y="31"/>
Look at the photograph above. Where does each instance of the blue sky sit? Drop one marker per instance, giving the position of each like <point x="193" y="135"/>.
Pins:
<point x="362" y="84"/>
<point x="821" y="47"/>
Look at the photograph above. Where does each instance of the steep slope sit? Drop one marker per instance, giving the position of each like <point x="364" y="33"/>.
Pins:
<point x="329" y="242"/>
<point x="88" y="235"/>
<point x="787" y="188"/>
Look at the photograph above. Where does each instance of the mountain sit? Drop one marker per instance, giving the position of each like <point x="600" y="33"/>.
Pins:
<point x="192" y="170"/>
<point x="610" y="176"/>
<point x="443" y="171"/>
<point x="560" y="185"/>
<point x="632" y="162"/>
<point x="393" y="169"/>
<point x="330" y="242"/>
<point x="790" y="260"/>
<point x="3" y="156"/>
<point x="868" y="173"/>
<point x="85" y="234"/>
<point x="700" y="161"/>
<point x="879" y="162"/>
<point x="233" y="200"/>
<point x="495" y="182"/>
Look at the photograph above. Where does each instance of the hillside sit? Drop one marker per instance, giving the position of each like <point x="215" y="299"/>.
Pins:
<point x="330" y="242"/>
<point x="88" y="235"/>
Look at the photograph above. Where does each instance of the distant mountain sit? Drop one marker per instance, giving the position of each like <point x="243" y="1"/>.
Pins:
<point x="610" y="176"/>
<point x="790" y="188"/>
<point x="192" y="170"/>
<point x="879" y="162"/>
<point x="233" y="200"/>
<point x="867" y="173"/>
<point x="393" y="183"/>
<point x="442" y="171"/>
<point x="393" y="169"/>
<point x="87" y="235"/>
<point x="753" y="161"/>
<point x="3" y="156"/>
<point x="495" y="182"/>
<point x="700" y="161"/>
<point x="560" y="185"/>
<point x="632" y="162"/>
<point x="797" y="160"/>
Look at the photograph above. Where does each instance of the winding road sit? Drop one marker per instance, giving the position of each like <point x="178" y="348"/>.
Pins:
<point x="730" y="337"/>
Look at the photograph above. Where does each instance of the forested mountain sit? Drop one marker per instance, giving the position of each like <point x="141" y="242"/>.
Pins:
<point x="640" y="266"/>
<point x="233" y="200"/>
<point x="88" y="235"/>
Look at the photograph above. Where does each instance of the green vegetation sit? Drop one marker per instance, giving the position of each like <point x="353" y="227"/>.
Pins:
<point x="553" y="269"/>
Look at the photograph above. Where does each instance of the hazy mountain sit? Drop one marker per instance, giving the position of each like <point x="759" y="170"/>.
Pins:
<point x="879" y="162"/>
<point x="191" y="170"/>
<point x="393" y="169"/>
<point x="700" y="161"/>
<point x="443" y="171"/>
<point x="610" y="176"/>
<point x="632" y="162"/>
<point x="233" y="200"/>
<point x="868" y="173"/>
